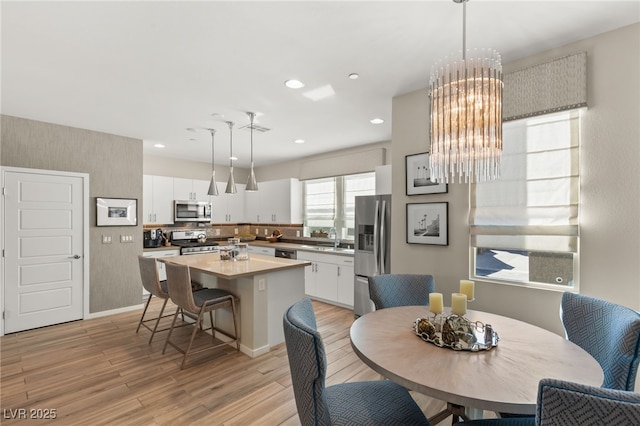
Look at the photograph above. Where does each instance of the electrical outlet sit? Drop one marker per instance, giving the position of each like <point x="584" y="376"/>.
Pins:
<point x="297" y="233"/>
<point x="262" y="285"/>
<point x="257" y="231"/>
<point x="265" y="231"/>
<point x="217" y="231"/>
<point x="106" y="239"/>
<point x="235" y="231"/>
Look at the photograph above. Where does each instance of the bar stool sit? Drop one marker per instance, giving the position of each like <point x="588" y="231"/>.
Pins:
<point x="197" y="303"/>
<point x="151" y="282"/>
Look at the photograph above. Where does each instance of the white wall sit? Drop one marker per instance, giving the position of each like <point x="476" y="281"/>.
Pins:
<point x="610" y="189"/>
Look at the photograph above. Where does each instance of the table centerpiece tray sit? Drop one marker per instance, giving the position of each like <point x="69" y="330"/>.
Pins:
<point x="456" y="332"/>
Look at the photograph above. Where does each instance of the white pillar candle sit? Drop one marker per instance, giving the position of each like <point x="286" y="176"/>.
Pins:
<point x="435" y="303"/>
<point x="467" y="287"/>
<point x="458" y="304"/>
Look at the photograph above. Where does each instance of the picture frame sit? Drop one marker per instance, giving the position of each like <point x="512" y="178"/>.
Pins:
<point x="418" y="180"/>
<point x="428" y="223"/>
<point x="116" y="211"/>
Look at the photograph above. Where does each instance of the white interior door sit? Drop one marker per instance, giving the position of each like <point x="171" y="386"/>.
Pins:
<point x="44" y="249"/>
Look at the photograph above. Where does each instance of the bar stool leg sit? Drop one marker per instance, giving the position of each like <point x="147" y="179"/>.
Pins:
<point x="155" y="327"/>
<point x="193" y="335"/>
<point x="144" y="312"/>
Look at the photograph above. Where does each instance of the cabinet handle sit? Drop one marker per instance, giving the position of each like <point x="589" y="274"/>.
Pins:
<point x="338" y="271"/>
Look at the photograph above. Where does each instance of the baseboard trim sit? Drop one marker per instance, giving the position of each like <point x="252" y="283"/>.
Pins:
<point x="114" y="311"/>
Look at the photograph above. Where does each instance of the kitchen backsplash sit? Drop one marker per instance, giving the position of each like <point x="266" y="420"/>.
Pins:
<point x="226" y="231"/>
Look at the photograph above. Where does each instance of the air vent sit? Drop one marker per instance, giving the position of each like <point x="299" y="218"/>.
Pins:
<point x="256" y="127"/>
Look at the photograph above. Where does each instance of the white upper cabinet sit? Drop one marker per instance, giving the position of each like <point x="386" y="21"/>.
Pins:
<point x="228" y="208"/>
<point x="190" y="189"/>
<point x="157" y="199"/>
<point x="276" y="201"/>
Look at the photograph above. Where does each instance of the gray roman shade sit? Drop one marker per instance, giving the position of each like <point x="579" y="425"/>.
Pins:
<point x="343" y="164"/>
<point x="554" y="86"/>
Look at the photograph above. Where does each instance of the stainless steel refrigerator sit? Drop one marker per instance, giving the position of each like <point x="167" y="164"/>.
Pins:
<point x="372" y="246"/>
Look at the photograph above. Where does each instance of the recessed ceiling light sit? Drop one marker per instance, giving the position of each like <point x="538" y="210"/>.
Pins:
<point x="376" y="121"/>
<point x="192" y="139"/>
<point x="354" y="76"/>
<point x="299" y="141"/>
<point x="190" y="129"/>
<point x="294" y="84"/>
<point x="158" y="145"/>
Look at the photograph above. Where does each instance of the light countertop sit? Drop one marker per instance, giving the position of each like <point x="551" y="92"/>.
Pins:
<point x="303" y="247"/>
<point x="210" y="263"/>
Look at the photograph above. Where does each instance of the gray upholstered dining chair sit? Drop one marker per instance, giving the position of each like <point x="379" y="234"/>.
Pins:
<point x="567" y="404"/>
<point x="372" y="403"/>
<point x="390" y="290"/>
<point x="197" y="303"/>
<point x="609" y="332"/>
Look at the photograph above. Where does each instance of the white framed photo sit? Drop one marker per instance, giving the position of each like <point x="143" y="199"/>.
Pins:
<point x="116" y="212"/>
<point x="428" y="223"/>
<point x="418" y="176"/>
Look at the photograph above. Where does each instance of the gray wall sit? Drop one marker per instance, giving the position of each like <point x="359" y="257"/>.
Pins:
<point x="610" y="185"/>
<point x="114" y="165"/>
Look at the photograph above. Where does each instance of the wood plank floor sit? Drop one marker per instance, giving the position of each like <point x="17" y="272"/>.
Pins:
<point x="100" y="372"/>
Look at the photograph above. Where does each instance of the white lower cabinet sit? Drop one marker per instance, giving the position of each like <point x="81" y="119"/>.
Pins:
<point x="265" y="251"/>
<point x="345" y="281"/>
<point x="329" y="277"/>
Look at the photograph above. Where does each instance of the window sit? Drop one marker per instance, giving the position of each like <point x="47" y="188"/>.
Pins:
<point x="524" y="226"/>
<point x="330" y="202"/>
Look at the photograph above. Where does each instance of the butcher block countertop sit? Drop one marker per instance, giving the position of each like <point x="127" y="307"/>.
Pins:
<point x="210" y="263"/>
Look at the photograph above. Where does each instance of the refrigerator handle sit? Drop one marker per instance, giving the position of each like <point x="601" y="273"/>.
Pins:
<point x="383" y="238"/>
<point x="376" y="246"/>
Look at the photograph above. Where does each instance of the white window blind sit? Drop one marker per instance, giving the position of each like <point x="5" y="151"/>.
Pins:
<point x="320" y="202"/>
<point x="356" y="185"/>
<point x="534" y="204"/>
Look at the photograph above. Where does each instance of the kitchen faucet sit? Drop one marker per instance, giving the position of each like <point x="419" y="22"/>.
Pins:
<point x="333" y="233"/>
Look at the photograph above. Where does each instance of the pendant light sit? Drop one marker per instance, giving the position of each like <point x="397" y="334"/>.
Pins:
<point x="213" y="188"/>
<point x="466" y="115"/>
<point x="252" y="184"/>
<point x="231" y="183"/>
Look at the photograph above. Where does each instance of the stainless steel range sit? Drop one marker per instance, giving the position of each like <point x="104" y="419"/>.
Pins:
<point x="193" y="242"/>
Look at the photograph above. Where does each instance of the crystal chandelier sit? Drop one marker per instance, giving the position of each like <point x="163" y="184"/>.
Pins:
<point x="466" y="116"/>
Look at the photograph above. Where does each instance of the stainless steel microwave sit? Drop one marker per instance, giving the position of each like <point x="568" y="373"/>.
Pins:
<point x="191" y="211"/>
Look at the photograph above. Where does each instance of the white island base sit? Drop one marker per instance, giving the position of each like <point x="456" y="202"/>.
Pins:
<point x="265" y="286"/>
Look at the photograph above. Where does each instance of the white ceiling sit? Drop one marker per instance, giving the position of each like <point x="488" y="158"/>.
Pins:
<point x="150" y="70"/>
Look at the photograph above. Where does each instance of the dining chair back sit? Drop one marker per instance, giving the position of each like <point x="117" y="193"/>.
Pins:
<point x="198" y="303"/>
<point x="567" y="403"/>
<point x="155" y="287"/>
<point x="390" y="290"/>
<point x="373" y="403"/>
<point x="609" y="332"/>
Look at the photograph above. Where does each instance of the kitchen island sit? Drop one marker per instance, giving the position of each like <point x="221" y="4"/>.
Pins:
<point x="266" y="287"/>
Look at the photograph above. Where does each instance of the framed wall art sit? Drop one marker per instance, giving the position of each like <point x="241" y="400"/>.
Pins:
<point x="428" y="223"/>
<point x="418" y="180"/>
<point x="116" y="212"/>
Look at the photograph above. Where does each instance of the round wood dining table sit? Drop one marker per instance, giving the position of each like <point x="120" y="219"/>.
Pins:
<point x="502" y="379"/>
